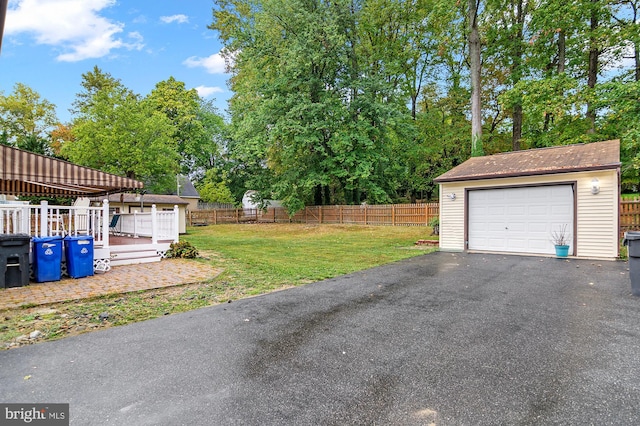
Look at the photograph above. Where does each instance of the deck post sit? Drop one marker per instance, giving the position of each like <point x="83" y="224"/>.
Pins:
<point x="176" y="224"/>
<point x="44" y="215"/>
<point x="105" y="224"/>
<point x="154" y="224"/>
<point x="25" y="226"/>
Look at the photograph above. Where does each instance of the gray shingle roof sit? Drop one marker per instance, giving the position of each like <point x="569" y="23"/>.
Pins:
<point x="187" y="190"/>
<point x="559" y="159"/>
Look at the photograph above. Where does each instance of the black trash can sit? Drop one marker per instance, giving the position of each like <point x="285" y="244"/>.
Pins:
<point x="47" y="258"/>
<point x="14" y="260"/>
<point x="632" y="240"/>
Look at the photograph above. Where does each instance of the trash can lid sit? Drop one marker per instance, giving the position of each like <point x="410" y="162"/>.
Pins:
<point x="46" y="239"/>
<point x="78" y="237"/>
<point x="14" y="237"/>
<point x="630" y="236"/>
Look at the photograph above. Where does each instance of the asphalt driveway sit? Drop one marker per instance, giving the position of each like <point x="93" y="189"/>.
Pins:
<point x="446" y="339"/>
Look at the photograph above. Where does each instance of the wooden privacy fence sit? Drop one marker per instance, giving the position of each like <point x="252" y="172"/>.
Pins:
<point x="629" y="216"/>
<point x="392" y="214"/>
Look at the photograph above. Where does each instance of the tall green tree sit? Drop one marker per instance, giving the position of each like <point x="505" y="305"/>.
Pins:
<point x="626" y="13"/>
<point x="92" y="83"/>
<point x="198" y="128"/>
<point x="117" y="132"/>
<point x="506" y="29"/>
<point x="308" y="104"/>
<point x="355" y="100"/>
<point x="26" y="119"/>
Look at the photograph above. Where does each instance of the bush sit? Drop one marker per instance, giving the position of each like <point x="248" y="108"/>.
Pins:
<point x="182" y="249"/>
<point x="434" y="223"/>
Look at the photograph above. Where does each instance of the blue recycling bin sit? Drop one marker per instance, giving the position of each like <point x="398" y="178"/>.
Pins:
<point x="79" y="255"/>
<point x="47" y="258"/>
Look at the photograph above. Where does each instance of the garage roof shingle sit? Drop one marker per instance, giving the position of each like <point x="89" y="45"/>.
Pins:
<point x="542" y="161"/>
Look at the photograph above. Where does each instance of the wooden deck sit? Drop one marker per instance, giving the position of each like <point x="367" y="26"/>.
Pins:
<point x="125" y="250"/>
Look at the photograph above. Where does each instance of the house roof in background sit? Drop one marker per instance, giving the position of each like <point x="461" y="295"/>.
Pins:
<point x="187" y="190"/>
<point x="147" y="199"/>
<point x="29" y="174"/>
<point x="541" y="161"/>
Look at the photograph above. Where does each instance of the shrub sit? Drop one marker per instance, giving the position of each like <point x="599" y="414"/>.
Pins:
<point x="434" y="223"/>
<point x="182" y="249"/>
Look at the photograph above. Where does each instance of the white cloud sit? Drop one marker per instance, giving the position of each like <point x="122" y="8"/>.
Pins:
<point x="180" y="19"/>
<point x="206" y="91"/>
<point x="73" y="25"/>
<point x="214" y="64"/>
<point x="140" y="19"/>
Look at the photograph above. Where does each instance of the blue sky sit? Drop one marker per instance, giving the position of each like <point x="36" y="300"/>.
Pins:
<point x="49" y="44"/>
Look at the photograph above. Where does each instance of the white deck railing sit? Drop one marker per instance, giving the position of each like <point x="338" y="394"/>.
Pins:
<point x="45" y="220"/>
<point x="159" y="225"/>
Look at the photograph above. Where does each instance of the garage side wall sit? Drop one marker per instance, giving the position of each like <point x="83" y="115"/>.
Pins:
<point x="452" y="216"/>
<point x="596" y="215"/>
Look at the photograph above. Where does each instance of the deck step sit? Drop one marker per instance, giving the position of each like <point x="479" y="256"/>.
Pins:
<point x="131" y="257"/>
<point x="134" y="261"/>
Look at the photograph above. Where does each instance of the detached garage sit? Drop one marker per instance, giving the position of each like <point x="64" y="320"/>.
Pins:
<point x="513" y="202"/>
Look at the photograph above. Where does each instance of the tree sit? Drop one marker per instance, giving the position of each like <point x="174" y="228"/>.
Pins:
<point x="26" y="119"/>
<point x="622" y="102"/>
<point x="506" y="26"/>
<point x="352" y="100"/>
<point x="119" y="133"/>
<point x="475" y="70"/>
<point x="208" y="151"/>
<point x="310" y="106"/>
<point x="196" y="123"/>
<point x="214" y="188"/>
<point x="627" y="15"/>
<point x="93" y="82"/>
<point x="59" y="135"/>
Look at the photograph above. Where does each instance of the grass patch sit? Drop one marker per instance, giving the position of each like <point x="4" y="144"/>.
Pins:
<point x="256" y="259"/>
<point x="273" y="255"/>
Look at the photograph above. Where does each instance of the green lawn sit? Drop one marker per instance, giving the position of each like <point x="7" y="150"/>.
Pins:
<point x="266" y="256"/>
<point x="255" y="258"/>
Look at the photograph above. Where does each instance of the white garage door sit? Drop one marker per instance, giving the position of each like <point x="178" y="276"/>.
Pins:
<point x="519" y="220"/>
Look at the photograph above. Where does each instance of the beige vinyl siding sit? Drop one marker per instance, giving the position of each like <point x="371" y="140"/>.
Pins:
<point x="452" y="217"/>
<point x="596" y="215"/>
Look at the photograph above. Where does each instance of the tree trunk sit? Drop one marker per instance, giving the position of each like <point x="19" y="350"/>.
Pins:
<point x="517" y="127"/>
<point x="516" y="75"/>
<point x="474" y="56"/>
<point x="636" y="52"/>
<point x="592" y="74"/>
<point x="562" y="51"/>
<point x="414" y="101"/>
<point x="317" y="196"/>
<point x="562" y="60"/>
